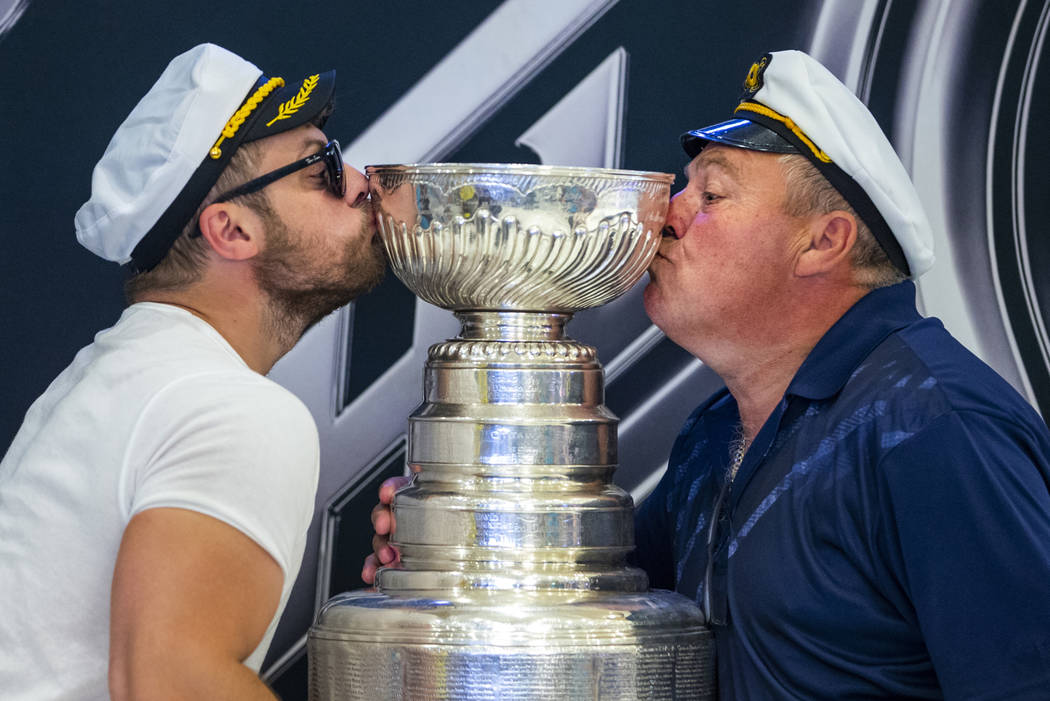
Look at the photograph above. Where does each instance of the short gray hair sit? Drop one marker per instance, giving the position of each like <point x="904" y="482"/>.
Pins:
<point x="808" y="193"/>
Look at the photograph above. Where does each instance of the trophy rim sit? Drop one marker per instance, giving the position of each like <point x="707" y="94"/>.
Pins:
<point x="438" y="168"/>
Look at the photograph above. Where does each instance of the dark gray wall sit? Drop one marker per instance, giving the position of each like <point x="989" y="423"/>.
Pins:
<point x="959" y="86"/>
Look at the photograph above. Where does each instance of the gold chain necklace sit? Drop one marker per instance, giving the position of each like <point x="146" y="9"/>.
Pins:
<point x="738" y="451"/>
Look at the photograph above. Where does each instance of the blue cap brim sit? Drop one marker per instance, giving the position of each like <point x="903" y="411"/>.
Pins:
<point x="741" y="133"/>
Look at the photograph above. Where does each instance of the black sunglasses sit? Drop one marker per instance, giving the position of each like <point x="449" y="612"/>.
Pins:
<point x="333" y="168"/>
<point x="715" y="602"/>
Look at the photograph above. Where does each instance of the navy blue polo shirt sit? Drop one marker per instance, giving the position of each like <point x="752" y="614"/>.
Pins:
<point x="888" y="531"/>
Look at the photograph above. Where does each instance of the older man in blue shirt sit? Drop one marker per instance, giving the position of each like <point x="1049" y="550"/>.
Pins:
<point x="863" y="511"/>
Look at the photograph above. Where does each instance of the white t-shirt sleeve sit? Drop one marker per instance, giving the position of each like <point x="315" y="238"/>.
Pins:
<point x="236" y="447"/>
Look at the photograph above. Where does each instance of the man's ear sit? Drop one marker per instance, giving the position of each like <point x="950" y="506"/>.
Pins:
<point x="233" y="231"/>
<point x="831" y="239"/>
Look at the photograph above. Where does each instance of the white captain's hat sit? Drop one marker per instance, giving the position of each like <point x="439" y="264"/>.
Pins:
<point x="169" y="152"/>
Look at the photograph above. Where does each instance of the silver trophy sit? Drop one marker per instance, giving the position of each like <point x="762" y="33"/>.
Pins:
<point x="513" y="581"/>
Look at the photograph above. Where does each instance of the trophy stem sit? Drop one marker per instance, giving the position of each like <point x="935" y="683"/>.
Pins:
<point x="514" y="451"/>
<point x="513" y="326"/>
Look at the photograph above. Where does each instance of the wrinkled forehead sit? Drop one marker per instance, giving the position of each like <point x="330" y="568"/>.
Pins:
<point x="725" y="160"/>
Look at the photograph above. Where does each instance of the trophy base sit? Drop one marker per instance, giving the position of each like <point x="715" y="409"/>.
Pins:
<point x="550" y="645"/>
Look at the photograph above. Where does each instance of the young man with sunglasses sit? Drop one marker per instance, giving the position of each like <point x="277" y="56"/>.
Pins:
<point x="863" y="511"/>
<point x="157" y="497"/>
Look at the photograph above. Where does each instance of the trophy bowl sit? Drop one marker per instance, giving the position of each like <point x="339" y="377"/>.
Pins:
<point x="518" y="237"/>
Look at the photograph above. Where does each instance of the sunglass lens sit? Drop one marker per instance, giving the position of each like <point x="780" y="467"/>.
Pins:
<point x="334" y="166"/>
<point x="719" y="594"/>
<point x="716" y="590"/>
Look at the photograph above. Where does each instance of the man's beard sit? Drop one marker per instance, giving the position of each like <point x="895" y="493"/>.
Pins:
<point x="304" y="287"/>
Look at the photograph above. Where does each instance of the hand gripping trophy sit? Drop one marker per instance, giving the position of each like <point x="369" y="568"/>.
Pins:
<point x="513" y="581"/>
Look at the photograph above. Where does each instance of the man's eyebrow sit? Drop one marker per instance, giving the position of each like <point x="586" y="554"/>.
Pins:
<point x="717" y="160"/>
<point x="311" y="147"/>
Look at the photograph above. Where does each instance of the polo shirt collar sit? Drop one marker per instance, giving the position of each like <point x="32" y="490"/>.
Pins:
<point x="849" y="341"/>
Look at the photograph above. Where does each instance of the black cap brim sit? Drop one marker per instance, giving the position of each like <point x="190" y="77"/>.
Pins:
<point x="291" y="106"/>
<point x="741" y="133"/>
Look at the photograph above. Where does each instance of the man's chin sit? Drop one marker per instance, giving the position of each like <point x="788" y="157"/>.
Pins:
<point x="365" y="278"/>
<point x="377" y="244"/>
<point x="377" y="277"/>
<point x="650" y="296"/>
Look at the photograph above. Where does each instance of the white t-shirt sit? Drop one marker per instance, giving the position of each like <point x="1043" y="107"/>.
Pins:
<point x="158" y="411"/>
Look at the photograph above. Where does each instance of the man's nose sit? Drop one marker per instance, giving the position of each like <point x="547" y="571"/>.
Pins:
<point x="673" y="223"/>
<point x="356" y="186"/>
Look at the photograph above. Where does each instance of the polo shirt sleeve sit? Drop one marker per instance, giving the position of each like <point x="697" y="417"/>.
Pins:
<point x="966" y="507"/>
<point x="236" y="447"/>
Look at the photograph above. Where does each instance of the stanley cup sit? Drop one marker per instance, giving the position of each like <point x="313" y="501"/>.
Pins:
<point x="513" y="582"/>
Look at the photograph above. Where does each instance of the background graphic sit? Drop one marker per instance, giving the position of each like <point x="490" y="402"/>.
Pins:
<point x="959" y="86"/>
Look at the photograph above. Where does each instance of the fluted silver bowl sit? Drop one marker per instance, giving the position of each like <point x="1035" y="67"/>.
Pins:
<point x="518" y="237"/>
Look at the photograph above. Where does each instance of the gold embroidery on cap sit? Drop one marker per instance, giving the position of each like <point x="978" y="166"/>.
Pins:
<point x="292" y="106"/>
<point x="786" y="121"/>
<point x="242" y="114"/>
<point x="751" y="81"/>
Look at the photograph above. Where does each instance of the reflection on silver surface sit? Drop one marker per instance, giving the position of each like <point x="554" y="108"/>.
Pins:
<point x="513" y="580"/>
<point x="505" y="236"/>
